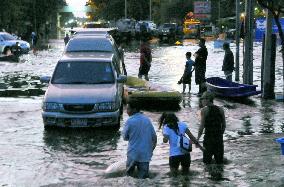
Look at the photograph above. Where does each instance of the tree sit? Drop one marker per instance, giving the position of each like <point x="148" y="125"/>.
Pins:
<point x="26" y="15"/>
<point x="276" y="7"/>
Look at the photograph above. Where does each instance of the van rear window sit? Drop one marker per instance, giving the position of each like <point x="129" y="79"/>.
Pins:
<point x="83" y="73"/>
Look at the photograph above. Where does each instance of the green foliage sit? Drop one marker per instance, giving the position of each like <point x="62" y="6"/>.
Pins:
<point x="17" y="15"/>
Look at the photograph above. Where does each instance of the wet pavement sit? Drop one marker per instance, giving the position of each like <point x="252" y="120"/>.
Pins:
<point x="31" y="156"/>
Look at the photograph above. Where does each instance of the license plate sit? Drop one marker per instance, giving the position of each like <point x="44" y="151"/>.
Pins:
<point x="164" y="37"/>
<point x="79" y="122"/>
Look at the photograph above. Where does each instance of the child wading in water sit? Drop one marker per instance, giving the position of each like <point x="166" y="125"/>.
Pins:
<point x="172" y="129"/>
<point x="186" y="77"/>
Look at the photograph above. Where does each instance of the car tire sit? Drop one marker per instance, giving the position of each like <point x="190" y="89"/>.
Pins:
<point x="121" y="109"/>
<point x="117" y="125"/>
<point x="47" y="127"/>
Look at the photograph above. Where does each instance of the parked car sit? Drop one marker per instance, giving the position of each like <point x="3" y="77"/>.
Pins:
<point x="94" y="43"/>
<point x="167" y="31"/>
<point x="126" y="27"/>
<point x="96" y="24"/>
<point x="145" y="26"/>
<point x="85" y="90"/>
<point x="8" y="41"/>
<point x="112" y="31"/>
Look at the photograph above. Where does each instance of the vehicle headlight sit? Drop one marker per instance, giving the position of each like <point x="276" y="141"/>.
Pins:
<point x="105" y="106"/>
<point x="46" y="106"/>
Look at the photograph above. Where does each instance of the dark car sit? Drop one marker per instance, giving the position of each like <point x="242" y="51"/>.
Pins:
<point x="167" y="31"/>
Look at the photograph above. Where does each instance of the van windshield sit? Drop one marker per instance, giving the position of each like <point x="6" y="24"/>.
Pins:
<point x="83" y="73"/>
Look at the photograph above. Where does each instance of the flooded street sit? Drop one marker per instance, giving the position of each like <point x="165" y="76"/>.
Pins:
<point x="31" y="156"/>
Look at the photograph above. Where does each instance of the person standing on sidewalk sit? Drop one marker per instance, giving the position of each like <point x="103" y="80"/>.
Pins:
<point x="228" y="62"/>
<point x="200" y="66"/>
<point x="214" y="123"/>
<point x="141" y="136"/>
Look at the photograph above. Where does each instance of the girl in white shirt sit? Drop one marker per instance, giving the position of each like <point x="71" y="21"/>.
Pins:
<point x="172" y="128"/>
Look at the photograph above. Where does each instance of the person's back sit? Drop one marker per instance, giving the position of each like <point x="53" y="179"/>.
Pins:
<point x="173" y="130"/>
<point x="228" y="62"/>
<point x="213" y="122"/>
<point x="140" y="135"/>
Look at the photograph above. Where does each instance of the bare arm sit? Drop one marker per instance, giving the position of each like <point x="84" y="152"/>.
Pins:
<point x="125" y="132"/>
<point x="154" y="138"/>
<point x="223" y="120"/>
<point x="165" y="139"/>
<point x="201" y="128"/>
<point x="195" y="141"/>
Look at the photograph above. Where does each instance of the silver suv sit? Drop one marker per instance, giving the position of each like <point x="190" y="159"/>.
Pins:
<point x="85" y="90"/>
<point x="95" y="43"/>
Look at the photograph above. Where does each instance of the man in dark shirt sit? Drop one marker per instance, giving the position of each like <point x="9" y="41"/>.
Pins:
<point x="200" y="65"/>
<point x="214" y="123"/>
<point x="228" y="62"/>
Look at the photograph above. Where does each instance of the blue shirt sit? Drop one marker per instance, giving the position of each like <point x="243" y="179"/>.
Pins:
<point x="188" y="66"/>
<point x="141" y="136"/>
<point x="175" y="150"/>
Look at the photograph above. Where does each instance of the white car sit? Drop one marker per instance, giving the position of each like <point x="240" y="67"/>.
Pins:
<point x="7" y="41"/>
<point x="150" y="26"/>
<point x="85" y="90"/>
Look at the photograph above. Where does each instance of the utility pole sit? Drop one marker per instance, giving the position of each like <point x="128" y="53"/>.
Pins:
<point x="125" y="8"/>
<point x="150" y="14"/>
<point x="34" y="11"/>
<point x="237" y="67"/>
<point x="268" y="88"/>
<point x="219" y="11"/>
<point x="248" y="56"/>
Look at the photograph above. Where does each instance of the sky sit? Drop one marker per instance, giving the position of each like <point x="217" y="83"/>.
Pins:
<point x="77" y="3"/>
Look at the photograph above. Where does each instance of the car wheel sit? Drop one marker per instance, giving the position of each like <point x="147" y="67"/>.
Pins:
<point x="47" y="127"/>
<point x="121" y="109"/>
<point x="117" y="126"/>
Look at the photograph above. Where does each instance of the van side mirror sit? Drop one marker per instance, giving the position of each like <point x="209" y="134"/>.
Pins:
<point x="45" y="79"/>
<point x="121" y="78"/>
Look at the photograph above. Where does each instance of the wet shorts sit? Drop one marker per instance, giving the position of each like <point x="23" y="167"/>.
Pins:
<point x="184" y="160"/>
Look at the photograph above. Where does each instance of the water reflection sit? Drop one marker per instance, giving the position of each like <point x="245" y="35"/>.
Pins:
<point x="81" y="141"/>
<point x="186" y="101"/>
<point x="215" y="171"/>
<point x="11" y="58"/>
<point x="246" y="126"/>
<point x="243" y="100"/>
<point x="267" y="120"/>
<point x="18" y="84"/>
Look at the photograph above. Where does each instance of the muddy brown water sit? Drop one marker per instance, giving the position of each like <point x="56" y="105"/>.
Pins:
<point x="31" y="156"/>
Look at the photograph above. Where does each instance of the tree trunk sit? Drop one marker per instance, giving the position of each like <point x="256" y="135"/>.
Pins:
<point x="281" y="35"/>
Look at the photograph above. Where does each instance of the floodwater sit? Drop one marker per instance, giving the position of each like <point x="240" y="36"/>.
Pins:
<point x="31" y="156"/>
